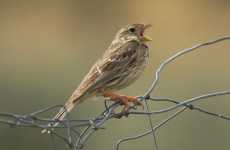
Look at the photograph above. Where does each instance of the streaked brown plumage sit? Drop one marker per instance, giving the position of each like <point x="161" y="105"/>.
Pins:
<point x="121" y="64"/>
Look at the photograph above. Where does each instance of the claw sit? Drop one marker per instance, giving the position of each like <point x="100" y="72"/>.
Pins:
<point x="124" y="100"/>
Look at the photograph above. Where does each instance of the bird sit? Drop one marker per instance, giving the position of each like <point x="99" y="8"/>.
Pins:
<point x="120" y="65"/>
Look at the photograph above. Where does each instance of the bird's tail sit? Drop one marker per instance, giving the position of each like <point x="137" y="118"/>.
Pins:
<point x="61" y="114"/>
<point x="64" y="111"/>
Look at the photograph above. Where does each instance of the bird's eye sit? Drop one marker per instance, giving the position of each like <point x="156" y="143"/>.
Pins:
<point x="132" y="30"/>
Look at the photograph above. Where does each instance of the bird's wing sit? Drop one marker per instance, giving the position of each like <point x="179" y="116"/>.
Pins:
<point x="107" y="69"/>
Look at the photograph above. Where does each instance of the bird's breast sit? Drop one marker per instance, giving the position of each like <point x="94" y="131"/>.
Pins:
<point x="134" y="68"/>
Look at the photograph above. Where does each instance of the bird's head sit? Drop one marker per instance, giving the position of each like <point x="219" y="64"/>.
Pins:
<point x="134" y="31"/>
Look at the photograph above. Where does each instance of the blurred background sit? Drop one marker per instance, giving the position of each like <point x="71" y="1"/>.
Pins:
<point x="46" y="47"/>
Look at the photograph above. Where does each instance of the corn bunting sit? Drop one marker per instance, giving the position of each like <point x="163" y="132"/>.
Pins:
<point x="120" y="65"/>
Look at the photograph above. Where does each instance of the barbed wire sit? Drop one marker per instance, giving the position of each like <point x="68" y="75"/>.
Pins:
<point x="78" y="132"/>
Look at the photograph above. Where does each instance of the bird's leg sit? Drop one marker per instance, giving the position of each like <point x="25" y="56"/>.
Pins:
<point x="124" y="100"/>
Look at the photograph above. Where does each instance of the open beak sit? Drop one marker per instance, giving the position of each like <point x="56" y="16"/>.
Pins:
<point x="146" y="38"/>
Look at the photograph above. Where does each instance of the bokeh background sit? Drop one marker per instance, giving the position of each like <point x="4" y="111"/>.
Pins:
<point x="46" y="47"/>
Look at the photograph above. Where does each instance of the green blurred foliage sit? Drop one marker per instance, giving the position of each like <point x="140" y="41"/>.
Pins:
<point x="46" y="47"/>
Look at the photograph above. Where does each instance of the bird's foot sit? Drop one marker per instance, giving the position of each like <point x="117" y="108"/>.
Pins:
<point x="124" y="100"/>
